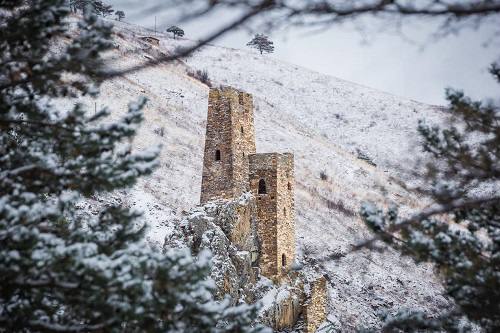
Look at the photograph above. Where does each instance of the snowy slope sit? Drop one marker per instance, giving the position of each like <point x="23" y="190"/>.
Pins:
<point x="324" y="121"/>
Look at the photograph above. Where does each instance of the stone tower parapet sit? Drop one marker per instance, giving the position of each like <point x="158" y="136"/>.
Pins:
<point x="272" y="183"/>
<point x="230" y="138"/>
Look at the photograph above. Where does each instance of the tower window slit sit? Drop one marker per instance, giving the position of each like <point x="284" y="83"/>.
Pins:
<point x="283" y="260"/>
<point x="262" y="186"/>
<point x="217" y="155"/>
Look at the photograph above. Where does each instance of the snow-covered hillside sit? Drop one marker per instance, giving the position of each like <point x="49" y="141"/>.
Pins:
<point x="324" y="121"/>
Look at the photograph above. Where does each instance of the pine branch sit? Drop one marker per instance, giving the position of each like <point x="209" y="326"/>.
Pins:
<point x="436" y="209"/>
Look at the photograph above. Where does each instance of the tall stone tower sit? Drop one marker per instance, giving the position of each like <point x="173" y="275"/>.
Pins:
<point x="272" y="183"/>
<point x="229" y="140"/>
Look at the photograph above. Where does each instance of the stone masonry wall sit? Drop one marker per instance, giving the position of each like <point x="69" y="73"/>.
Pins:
<point x="263" y="166"/>
<point x="285" y="236"/>
<point x="275" y="221"/>
<point x="315" y="308"/>
<point x="243" y="139"/>
<point x="230" y="136"/>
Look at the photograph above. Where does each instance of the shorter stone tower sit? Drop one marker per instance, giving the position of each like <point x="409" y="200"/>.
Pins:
<point x="272" y="183"/>
<point x="229" y="139"/>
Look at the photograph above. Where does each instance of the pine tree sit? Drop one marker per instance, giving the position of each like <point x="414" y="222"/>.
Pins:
<point x="262" y="43"/>
<point x="97" y="6"/>
<point x="102" y="9"/>
<point x="61" y="268"/>
<point x="120" y="15"/>
<point x="176" y="31"/>
<point x="464" y="178"/>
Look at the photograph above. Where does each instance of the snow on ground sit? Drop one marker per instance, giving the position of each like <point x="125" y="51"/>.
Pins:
<point x="324" y="121"/>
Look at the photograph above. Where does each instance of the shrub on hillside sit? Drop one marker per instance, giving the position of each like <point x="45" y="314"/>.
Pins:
<point x="340" y="206"/>
<point x="363" y="156"/>
<point x="200" y="75"/>
<point x="160" y="131"/>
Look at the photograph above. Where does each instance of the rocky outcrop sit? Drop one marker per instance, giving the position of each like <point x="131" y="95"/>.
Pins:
<point x="227" y="228"/>
<point x="282" y="305"/>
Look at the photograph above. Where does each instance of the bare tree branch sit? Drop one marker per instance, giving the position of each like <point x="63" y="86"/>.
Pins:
<point x="320" y="13"/>
<point x="458" y="9"/>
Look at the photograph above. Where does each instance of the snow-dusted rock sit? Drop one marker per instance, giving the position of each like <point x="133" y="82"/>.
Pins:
<point x="213" y="227"/>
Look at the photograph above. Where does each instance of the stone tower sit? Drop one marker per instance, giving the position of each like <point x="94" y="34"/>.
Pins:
<point x="272" y="183"/>
<point x="229" y="140"/>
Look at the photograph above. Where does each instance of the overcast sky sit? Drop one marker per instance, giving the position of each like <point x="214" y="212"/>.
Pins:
<point x="406" y="65"/>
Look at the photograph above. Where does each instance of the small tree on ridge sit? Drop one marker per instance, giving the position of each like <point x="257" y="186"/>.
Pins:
<point x="176" y="31"/>
<point x="100" y="8"/>
<point x="120" y="14"/>
<point x="262" y="43"/>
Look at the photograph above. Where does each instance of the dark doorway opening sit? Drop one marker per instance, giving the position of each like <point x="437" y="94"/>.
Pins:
<point x="262" y="187"/>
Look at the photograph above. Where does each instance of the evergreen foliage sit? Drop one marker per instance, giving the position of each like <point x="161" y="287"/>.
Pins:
<point x="102" y="9"/>
<point x="62" y="269"/>
<point x="97" y="6"/>
<point x="176" y="31"/>
<point x="460" y="233"/>
<point x="262" y="43"/>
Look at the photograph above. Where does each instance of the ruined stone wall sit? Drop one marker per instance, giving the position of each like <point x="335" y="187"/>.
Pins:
<point x="315" y="308"/>
<point x="275" y="210"/>
<point x="229" y="139"/>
